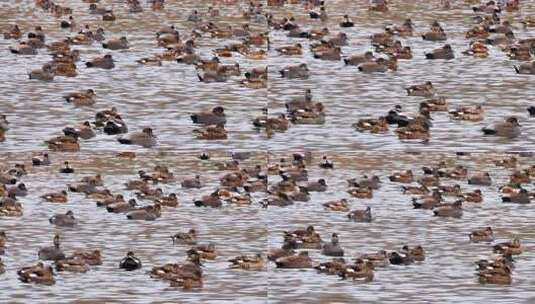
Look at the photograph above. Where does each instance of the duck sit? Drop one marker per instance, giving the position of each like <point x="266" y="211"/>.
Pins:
<point x="213" y="200"/>
<point x="510" y="128"/>
<point x="405" y="177"/>
<point x="205" y="251"/>
<point x="72" y="264"/>
<point x="502" y="277"/>
<point x="147" y="213"/>
<point x="38" y="274"/>
<point x="186" y="275"/>
<point x="480" y="179"/>
<point x="108" y="16"/>
<point x="66" y="169"/>
<point x="216" y="116"/>
<point x="417" y="252"/>
<point x="445" y="52"/>
<point x="453" y="210"/>
<point x="301" y="260"/>
<point x="468" y="113"/>
<point x="361" y="192"/>
<point x="378" y="259"/>
<point x="130" y="262"/>
<point x="90" y="257"/>
<point x="64" y="220"/>
<point x="4" y="123"/>
<point x="513" y="247"/>
<point x="332" y="267"/>
<point x="346" y="22"/>
<point x="424" y="90"/>
<point x="520" y="197"/>
<point x="359" y="271"/>
<point x="326" y="163"/>
<point x="188" y="238"/>
<point x="248" y="262"/>
<point x="19" y="190"/>
<point x="333" y="248"/>
<point x="482" y="235"/>
<point x="340" y="206"/>
<point x="520" y="177"/>
<point x="372" y="125"/>
<point x="106" y="62"/>
<point x="52" y="253"/>
<point x="396" y="258"/>
<point x="23" y="49"/>
<point x="168" y="201"/>
<point x="84" y="98"/>
<point x="41" y="160"/>
<point x="118" y="205"/>
<point x="318" y="186"/>
<point x="13" y="33"/>
<point x="359" y="59"/>
<point x="307" y="238"/>
<point x="361" y="215"/>
<point x="45" y="73"/>
<point x="116" y="44"/>
<point x="525" y="68"/>
<point x="380" y="65"/>
<point x="83" y="131"/>
<point x="373" y="182"/>
<point x="300" y="71"/>
<point x="145" y="138"/>
<point x="291" y="50"/>
<point x="211" y="132"/>
<point x="56" y="197"/>
<point x="473" y="197"/>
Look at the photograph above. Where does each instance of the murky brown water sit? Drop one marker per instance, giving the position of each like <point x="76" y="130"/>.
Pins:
<point x="164" y="97"/>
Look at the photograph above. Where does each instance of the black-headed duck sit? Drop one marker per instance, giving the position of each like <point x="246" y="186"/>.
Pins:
<point x="301" y="260"/>
<point x="300" y="71"/>
<point x="326" y="163"/>
<point x="482" y="235"/>
<point x="145" y="138"/>
<point x="106" y="62"/>
<point x="38" y="274"/>
<point x="248" y="262"/>
<point x="66" y="169"/>
<point x="41" y="160"/>
<point x="339" y="206"/>
<point x="361" y="215"/>
<point x="63" y="220"/>
<point x="130" y="262"/>
<point x="513" y="247"/>
<point x="19" y="190"/>
<point x="216" y="116"/>
<point x="510" y="128"/>
<point x="453" y="210"/>
<point x="83" y="98"/>
<point x="70" y="23"/>
<point x="46" y="73"/>
<point x="333" y="248"/>
<point x="52" y="253"/>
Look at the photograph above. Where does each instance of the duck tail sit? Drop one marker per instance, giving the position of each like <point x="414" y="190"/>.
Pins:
<point x="506" y="199"/>
<point x="198" y="203"/>
<point x="282" y="73"/>
<point x="124" y="141"/>
<point x="531" y="111"/>
<point x="346" y="61"/>
<point x="194" y="118"/>
<point x="488" y="131"/>
<point x="105" y="45"/>
<point x="516" y="69"/>
<point x="360" y="68"/>
<point x="417" y="205"/>
<point x="72" y="188"/>
<point x="200" y="77"/>
<point x="429" y="56"/>
<point x="89" y="64"/>
<point x="13" y="51"/>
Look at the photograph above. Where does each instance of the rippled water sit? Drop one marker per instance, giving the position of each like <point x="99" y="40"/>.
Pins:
<point x="164" y="97"/>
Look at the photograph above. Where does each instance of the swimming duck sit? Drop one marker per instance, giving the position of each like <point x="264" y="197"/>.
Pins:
<point x="118" y="205"/>
<point x="332" y="267"/>
<point x="3" y="240"/>
<point x="188" y="238"/>
<point x="205" y="251"/>
<point x="319" y="186"/>
<point x="361" y="192"/>
<point x="130" y="262"/>
<point x="19" y="190"/>
<point x="359" y="271"/>
<point x="108" y="16"/>
<point x="340" y="206"/>
<point x="83" y="131"/>
<point x="520" y="197"/>
<point x="4" y="123"/>
<point x="247" y="262"/>
<point x="332" y="248"/>
<point x="216" y="116"/>
<point x="361" y="215"/>
<point x="144" y="138"/>
<point x="66" y="169"/>
<point x="168" y="201"/>
<point x="467" y="113"/>
<point x="520" y="177"/>
<point x="453" y="210"/>
<point x="38" y="274"/>
<point x="72" y="264"/>
<point x="380" y="65"/>
<point x="301" y="260"/>
<point x="105" y="62"/>
<point x="428" y="201"/>
<point x="213" y="200"/>
<point x="425" y="90"/>
<point x="378" y="259"/>
<point x="45" y="73"/>
<point x="52" y="253"/>
<point x="13" y="33"/>
<point x="68" y="23"/>
<point x="296" y="49"/>
<point x="346" y="22"/>
<point x="90" y="257"/>
<point x="326" y="163"/>
<point x="304" y="239"/>
<point x="41" y="160"/>
<point x="187" y="275"/>
<point x="56" y="197"/>
<point x="510" y="128"/>
<point x="373" y="182"/>
<point x="147" y="213"/>
<point x="373" y="125"/>
<point x="64" y="220"/>
<point x="513" y="247"/>
<point x="405" y="177"/>
<point x="359" y="59"/>
<point x="482" y="235"/>
<point x="502" y="40"/>
<point x="396" y="258"/>
<point x="417" y="252"/>
<point x="435" y="36"/>
<point x="500" y="276"/>
<point x="23" y="49"/>
<point x="445" y="52"/>
<point x="84" y="98"/>
<point x="473" y="197"/>
<point x="300" y="71"/>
